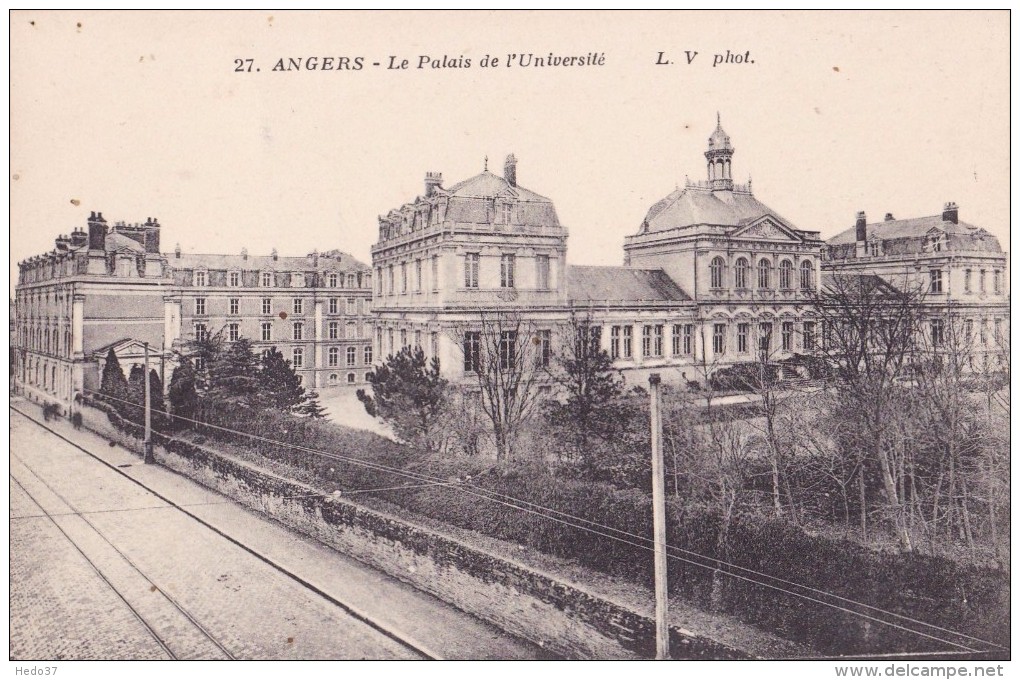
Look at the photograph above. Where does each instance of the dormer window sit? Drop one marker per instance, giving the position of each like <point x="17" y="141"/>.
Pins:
<point x="267" y="279"/>
<point x="351" y="280"/>
<point x="938" y="243"/>
<point x="873" y="248"/>
<point x="506" y="213"/>
<point x="234" y="279"/>
<point x="297" y="280"/>
<point x="332" y="280"/>
<point x="201" y="278"/>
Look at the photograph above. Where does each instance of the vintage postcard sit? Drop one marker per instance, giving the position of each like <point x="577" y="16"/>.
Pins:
<point x="510" y="336"/>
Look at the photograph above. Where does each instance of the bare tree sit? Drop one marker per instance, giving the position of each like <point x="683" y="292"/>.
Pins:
<point x="503" y="351"/>
<point x="870" y="330"/>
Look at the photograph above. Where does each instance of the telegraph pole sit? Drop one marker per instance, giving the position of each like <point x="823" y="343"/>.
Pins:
<point x="147" y="443"/>
<point x="659" y="523"/>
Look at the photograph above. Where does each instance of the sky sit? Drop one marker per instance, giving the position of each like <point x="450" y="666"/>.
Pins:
<point x="143" y="115"/>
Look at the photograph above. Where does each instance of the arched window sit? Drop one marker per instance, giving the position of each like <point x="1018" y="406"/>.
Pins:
<point x="717" y="267"/>
<point x="786" y="275"/>
<point x="807" y="275"/>
<point x="764" y="273"/>
<point x="740" y="277"/>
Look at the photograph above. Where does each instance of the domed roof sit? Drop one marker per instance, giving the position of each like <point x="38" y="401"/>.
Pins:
<point x="719" y="138"/>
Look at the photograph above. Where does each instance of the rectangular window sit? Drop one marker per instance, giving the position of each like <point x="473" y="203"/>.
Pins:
<point x="506" y="213"/>
<point x="352" y="281"/>
<point x="368" y="355"/>
<point x="235" y="279"/>
<point x="352" y="306"/>
<point x="201" y="332"/>
<point x="472" y="351"/>
<point x="200" y="306"/>
<point x="200" y="279"/>
<point x="267" y="331"/>
<point x="628" y="342"/>
<point x="542" y="267"/>
<point x="298" y="357"/>
<point x="742" y="330"/>
<point x="544" y="348"/>
<point x="267" y="279"/>
<point x="787" y="336"/>
<point x="507" y="350"/>
<point x="966" y="281"/>
<point x="417" y="339"/>
<point x="334" y="306"/>
<point x="351" y="332"/>
<point x="233" y="332"/>
<point x="352" y="356"/>
<point x="677" y="339"/>
<point x="614" y="343"/>
<point x="937" y="332"/>
<point x="267" y="305"/>
<point x="719" y="338"/>
<point x="334" y="356"/>
<point x="297" y="280"/>
<point x="981" y="282"/>
<point x="299" y="306"/>
<point x="331" y="280"/>
<point x="507" y="265"/>
<point x="299" y="330"/>
<point x="334" y="330"/>
<point x="435" y="273"/>
<point x="657" y="333"/>
<point x="809" y="335"/>
<point x="936" y="281"/>
<point x="689" y="339"/>
<point x="403" y="277"/>
<point x="968" y="330"/>
<point x="997" y="282"/>
<point x="403" y="338"/>
<point x="765" y="337"/>
<point x="997" y="332"/>
<point x="391" y="279"/>
<point x="417" y="276"/>
<point x="235" y="304"/>
<point x="471" y="270"/>
<point x="646" y="341"/>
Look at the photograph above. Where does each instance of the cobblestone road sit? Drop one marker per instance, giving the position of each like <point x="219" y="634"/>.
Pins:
<point x="102" y="568"/>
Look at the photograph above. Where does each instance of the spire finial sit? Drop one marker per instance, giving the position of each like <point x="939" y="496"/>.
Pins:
<point x="718" y="119"/>
<point x="486" y="162"/>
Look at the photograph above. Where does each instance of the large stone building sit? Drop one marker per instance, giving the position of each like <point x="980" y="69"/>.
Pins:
<point x="95" y="289"/>
<point x="712" y="277"/>
<point x="316" y="310"/>
<point x="956" y="270"/>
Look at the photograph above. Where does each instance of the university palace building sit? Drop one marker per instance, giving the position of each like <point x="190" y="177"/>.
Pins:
<point x="712" y="277"/>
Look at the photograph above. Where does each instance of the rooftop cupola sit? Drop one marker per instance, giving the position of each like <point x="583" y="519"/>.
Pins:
<point x="720" y="157"/>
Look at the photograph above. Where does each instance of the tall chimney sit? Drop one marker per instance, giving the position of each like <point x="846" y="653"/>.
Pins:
<point x="510" y="170"/>
<point x="889" y="217"/>
<point x="951" y="213"/>
<point x="177" y="251"/>
<point x="433" y="180"/>
<point x="97" y="232"/>
<point x="862" y="226"/>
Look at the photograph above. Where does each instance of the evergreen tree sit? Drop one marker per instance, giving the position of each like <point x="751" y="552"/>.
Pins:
<point x="409" y="394"/>
<point x="311" y="406"/>
<point x="183" y="397"/>
<point x="234" y="379"/>
<point x="134" y="408"/>
<point x="279" y="385"/>
<point x="157" y="400"/>
<point x="114" y="384"/>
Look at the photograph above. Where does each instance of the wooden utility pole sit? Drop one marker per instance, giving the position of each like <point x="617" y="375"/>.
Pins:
<point x="147" y="443"/>
<point x="659" y="523"/>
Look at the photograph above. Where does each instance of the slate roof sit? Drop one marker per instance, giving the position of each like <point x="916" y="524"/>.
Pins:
<point x="695" y="205"/>
<point x="470" y="201"/>
<point x="345" y="263"/>
<point x="918" y="227"/>
<point x="115" y="242"/>
<point x="844" y="282"/>
<point x="622" y="284"/>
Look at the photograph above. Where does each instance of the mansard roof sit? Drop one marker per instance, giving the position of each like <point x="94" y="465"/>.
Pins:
<point x="489" y="185"/>
<point x="622" y="284"/>
<point x="962" y="233"/>
<point x="694" y="205"/>
<point x="335" y="261"/>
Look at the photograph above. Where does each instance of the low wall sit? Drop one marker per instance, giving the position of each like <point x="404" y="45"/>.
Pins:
<point x="557" y="615"/>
